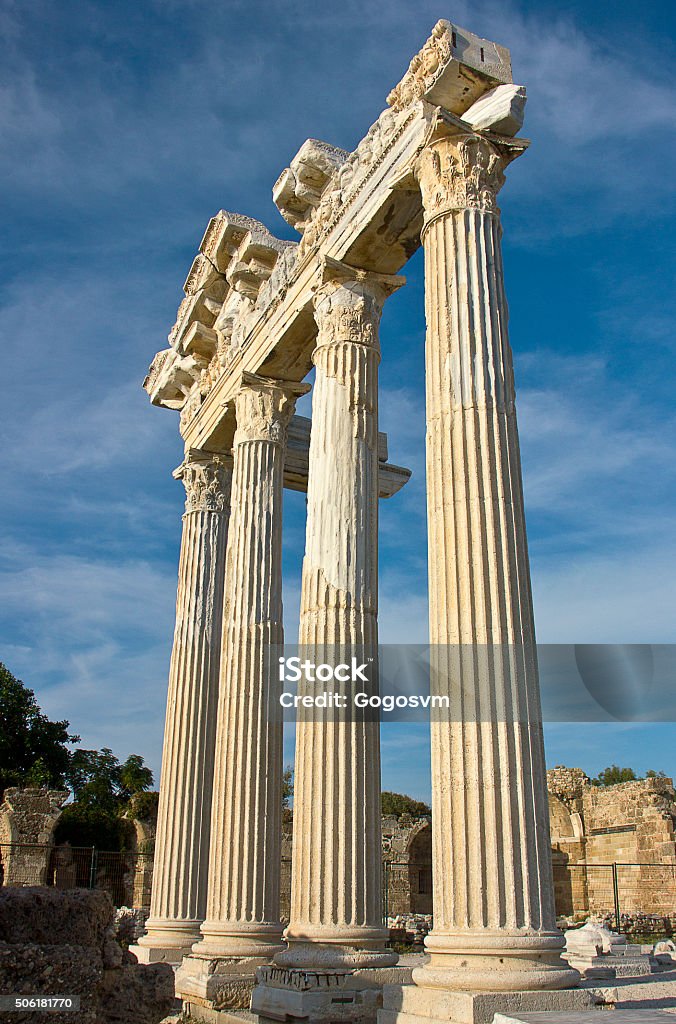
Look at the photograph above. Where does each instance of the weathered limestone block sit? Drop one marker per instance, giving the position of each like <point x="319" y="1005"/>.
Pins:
<point x="452" y="70"/>
<point x="49" y="916"/>
<point x="28" y="817"/>
<point x="568" y="784"/>
<point x="501" y="110"/>
<point x="56" y="942"/>
<point x="298" y="190"/>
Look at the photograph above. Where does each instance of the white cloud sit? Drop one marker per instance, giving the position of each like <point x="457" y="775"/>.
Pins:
<point x="96" y="637"/>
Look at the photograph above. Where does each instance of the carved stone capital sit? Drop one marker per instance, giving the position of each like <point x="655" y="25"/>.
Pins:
<point x="348" y="304"/>
<point x="460" y="172"/>
<point x="207" y="477"/>
<point x="264" y="408"/>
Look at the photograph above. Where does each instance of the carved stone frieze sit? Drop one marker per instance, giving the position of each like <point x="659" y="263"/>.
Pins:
<point x="155" y="368"/>
<point x="206" y="478"/>
<point x="348" y="179"/>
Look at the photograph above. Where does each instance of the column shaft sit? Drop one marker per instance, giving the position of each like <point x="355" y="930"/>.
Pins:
<point x="243" y="898"/>
<point x="179" y="885"/>
<point x="336" y="873"/>
<point x="494" y="917"/>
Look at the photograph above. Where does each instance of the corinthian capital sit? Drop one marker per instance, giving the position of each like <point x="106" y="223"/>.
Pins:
<point x="459" y="172"/>
<point x="207" y="477"/>
<point x="348" y="304"/>
<point x="264" y="408"/>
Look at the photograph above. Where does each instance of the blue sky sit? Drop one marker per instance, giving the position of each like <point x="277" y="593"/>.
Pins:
<point x="125" y="127"/>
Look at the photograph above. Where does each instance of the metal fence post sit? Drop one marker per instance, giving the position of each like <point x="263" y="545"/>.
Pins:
<point x="616" y="896"/>
<point x="92" y="869"/>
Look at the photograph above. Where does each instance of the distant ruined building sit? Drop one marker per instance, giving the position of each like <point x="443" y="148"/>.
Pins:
<point x="630" y="825"/>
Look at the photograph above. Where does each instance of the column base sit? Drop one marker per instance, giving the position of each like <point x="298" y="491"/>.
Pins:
<point x="239" y="939"/>
<point x="415" y="1005"/>
<point x="319" y="953"/>
<point x="495" y="960"/>
<point x="318" y="996"/>
<point x="217" y="983"/>
<point x="166" y="942"/>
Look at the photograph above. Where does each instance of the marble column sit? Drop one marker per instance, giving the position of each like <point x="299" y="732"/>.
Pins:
<point x="494" y="919"/>
<point x="242" y="917"/>
<point x="179" y="886"/>
<point x="336" y="917"/>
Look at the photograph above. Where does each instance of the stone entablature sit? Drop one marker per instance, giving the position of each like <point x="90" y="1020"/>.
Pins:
<point x="248" y="295"/>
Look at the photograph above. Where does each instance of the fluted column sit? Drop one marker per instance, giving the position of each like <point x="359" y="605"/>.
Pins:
<point x="336" y="871"/>
<point x="242" y="918"/>
<point x="494" y="919"/>
<point x="182" y="844"/>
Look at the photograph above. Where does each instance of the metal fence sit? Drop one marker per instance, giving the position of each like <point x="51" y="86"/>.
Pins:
<point x="641" y="896"/>
<point x="620" y="891"/>
<point x="125" y="875"/>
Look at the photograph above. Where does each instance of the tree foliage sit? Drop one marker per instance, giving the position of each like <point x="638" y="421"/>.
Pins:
<point x="34" y="751"/>
<point x="399" y="803"/>
<point x="287" y="786"/>
<point x="613" y="775"/>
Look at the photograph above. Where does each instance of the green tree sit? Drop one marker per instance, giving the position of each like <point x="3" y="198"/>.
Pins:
<point x="287" y="785"/>
<point x="103" y="789"/>
<point x="34" y="751"/>
<point x="399" y="803"/>
<point x="135" y="777"/>
<point x="613" y="775"/>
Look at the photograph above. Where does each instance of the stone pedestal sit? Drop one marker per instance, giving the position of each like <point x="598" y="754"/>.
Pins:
<point x="209" y="985"/>
<point x="242" y="927"/>
<point x="316" y="996"/>
<point x="182" y="841"/>
<point x="494" y="918"/>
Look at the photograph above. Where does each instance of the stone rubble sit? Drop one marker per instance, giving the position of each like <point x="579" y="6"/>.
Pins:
<point x="62" y="942"/>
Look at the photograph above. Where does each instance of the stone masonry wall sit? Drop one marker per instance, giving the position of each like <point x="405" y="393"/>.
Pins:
<point x="630" y="825"/>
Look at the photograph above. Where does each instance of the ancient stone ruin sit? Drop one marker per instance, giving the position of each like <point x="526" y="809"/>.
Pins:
<point x="631" y="825"/>
<point x="258" y="314"/>
<point x="63" y="943"/>
<point x="28" y="818"/>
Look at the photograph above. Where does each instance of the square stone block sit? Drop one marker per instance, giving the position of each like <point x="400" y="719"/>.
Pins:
<point x="628" y="1016"/>
<point x="412" y="1004"/>
<point x="323" y="996"/>
<point x="217" y="983"/>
